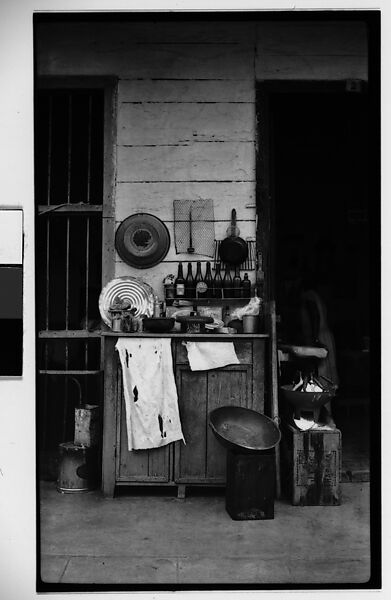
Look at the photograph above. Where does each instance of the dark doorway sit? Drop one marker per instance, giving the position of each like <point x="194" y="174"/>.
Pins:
<point x="317" y="172"/>
<point x="319" y="169"/>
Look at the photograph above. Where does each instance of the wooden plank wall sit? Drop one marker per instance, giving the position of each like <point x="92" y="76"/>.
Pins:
<point x="323" y="50"/>
<point x="186" y="105"/>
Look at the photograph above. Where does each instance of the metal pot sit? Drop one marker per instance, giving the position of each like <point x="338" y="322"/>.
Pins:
<point x="233" y="249"/>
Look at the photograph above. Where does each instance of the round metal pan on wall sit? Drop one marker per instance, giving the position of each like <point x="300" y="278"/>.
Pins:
<point x="233" y="249"/>
<point x="142" y="240"/>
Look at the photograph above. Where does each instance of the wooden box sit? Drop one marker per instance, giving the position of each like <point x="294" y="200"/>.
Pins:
<point x="311" y="466"/>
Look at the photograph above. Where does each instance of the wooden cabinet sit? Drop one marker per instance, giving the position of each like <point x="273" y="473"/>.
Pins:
<point x="201" y="460"/>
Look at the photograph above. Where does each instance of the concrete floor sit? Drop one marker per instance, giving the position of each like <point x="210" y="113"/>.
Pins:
<point x="157" y="539"/>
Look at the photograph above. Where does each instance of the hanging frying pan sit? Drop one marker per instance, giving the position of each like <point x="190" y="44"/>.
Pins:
<point x="142" y="240"/>
<point x="233" y="249"/>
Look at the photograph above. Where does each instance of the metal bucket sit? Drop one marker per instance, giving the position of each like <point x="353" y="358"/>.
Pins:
<point x="78" y="469"/>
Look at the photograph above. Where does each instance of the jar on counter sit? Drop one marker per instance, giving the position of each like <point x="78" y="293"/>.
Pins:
<point x="116" y="323"/>
<point x="157" y="308"/>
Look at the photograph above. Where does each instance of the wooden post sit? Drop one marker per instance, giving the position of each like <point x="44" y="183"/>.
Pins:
<point x="270" y="322"/>
<point x="109" y="418"/>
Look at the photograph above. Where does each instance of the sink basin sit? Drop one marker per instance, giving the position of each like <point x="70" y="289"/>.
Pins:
<point x="306" y="400"/>
<point x="243" y="430"/>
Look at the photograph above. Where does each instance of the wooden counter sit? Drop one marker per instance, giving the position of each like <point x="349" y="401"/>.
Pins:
<point x="202" y="460"/>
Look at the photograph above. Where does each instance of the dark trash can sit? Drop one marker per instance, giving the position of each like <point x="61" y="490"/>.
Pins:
<point x="250" y="438"/>
<point x="250" y="487"/>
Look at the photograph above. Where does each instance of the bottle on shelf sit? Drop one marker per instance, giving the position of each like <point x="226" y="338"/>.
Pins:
<point x="218" y="282"/>
<point x="227" y="283"/>
<point x="208" y="280"/>
<point x="189" y="284"/>
<point x="180" y="283"/>
<point x="246" y="286"/>
<point x="200" y="286"/>
<point x="237" y="284"/>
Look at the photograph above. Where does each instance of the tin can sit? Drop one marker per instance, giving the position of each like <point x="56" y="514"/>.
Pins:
<point x="78" y="469"/>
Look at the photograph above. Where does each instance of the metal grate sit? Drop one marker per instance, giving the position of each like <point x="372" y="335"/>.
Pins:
<point x="69" y="202"/>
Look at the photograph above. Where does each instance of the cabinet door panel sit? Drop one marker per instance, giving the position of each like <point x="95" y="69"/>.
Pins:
<point x="139" y="466"/>
<point x="225" y="388"/>
<point x="190" y="459"/>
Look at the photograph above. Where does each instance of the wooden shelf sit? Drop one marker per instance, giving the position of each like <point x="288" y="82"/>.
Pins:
<point x="206" y="300"/>
<point x="214" y="336"/>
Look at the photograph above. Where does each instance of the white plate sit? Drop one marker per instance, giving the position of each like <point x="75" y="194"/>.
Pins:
<point x="215" y="325"/>
<point x="304" y="424"/>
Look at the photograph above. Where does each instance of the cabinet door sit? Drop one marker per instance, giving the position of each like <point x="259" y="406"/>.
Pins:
<point x="190" y="459"/>
<point x="138" y="466"/>
<point x="231" y="386"/>
<point x="202" y="459"/>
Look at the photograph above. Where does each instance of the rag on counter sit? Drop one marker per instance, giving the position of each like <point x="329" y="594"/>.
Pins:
<point x="151" y="400"/>
<point x="210" y="355"/>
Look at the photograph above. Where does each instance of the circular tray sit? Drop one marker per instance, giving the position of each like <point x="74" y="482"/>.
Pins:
<point x="133" y="289"/>
<point x="142" y="240"/>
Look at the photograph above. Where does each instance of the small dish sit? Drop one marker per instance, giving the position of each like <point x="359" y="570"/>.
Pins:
<point x="215" y="325"/>
<point x="159" y="324"/>
<point x="226" y="330"/>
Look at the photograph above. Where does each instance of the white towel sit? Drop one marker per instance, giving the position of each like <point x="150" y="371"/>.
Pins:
<point x="210" y="355"/>
<point x="151" y="400"/>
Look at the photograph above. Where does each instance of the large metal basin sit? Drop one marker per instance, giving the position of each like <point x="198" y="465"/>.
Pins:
<point x="243" y="430"/>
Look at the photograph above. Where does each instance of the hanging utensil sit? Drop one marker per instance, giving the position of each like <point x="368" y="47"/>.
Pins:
<point x="233" y="249"/>
<point x="190" y="248"/>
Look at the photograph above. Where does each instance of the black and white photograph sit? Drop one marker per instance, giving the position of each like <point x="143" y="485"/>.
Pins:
<point x="202" y="243"/>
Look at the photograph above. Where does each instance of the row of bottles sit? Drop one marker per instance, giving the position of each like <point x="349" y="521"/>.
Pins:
<point x="207" y="286"/>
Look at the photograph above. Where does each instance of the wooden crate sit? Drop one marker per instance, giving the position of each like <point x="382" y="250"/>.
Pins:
<point x="311" y="466"/>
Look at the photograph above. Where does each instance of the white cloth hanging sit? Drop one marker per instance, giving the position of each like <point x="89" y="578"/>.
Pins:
<point x="151" y="400"/>
<point x="210" y="355"/>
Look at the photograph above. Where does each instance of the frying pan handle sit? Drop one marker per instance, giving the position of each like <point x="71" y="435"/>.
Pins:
<point x="233" y="218"/>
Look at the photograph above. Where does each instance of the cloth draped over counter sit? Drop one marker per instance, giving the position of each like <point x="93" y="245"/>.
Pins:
<point x="210" y="355"/>
<point x="151" y="400"/>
